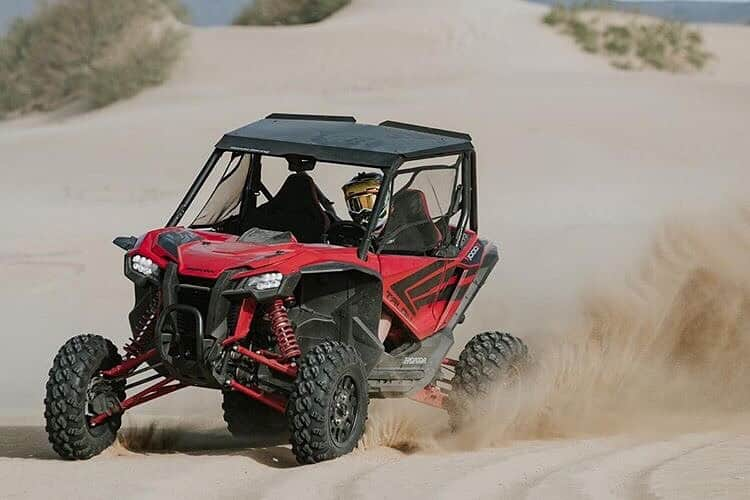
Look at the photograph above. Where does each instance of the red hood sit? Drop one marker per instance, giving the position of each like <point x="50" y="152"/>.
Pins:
<point x="206" y="254"/>
<point x="209" y="259"/>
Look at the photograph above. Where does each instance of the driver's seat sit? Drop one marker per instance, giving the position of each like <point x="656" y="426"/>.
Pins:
<point x="296" y="208"/>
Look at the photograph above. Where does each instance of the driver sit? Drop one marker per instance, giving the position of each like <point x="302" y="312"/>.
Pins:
<point x="360" y="194"/>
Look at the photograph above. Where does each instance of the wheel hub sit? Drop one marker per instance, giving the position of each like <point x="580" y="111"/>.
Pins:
<point x="344" y="410"/>
<point x="100" y="397"/>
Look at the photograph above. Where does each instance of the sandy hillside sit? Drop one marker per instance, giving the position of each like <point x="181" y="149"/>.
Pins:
<point x="580" y="167"/>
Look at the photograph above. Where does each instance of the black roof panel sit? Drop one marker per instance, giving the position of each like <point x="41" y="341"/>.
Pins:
<point x="339" y="139"/>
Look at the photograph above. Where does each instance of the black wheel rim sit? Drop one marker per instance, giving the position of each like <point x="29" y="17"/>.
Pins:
<point x="101" y="396"/>
<point x="344" y="410"/>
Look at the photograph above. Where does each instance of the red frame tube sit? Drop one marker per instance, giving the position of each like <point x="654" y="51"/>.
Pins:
<point x="431" y="396"/>
<point x="276" y="402"/>
<point x="288" y="370"/>
<point x="155" y="391"/>
<point x="244" y="319"/>
<point x="450" y="362"/>
<point x="129" y="364"/>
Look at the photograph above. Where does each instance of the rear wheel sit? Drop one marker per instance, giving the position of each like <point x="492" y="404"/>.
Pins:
<point x="76" y="392"/>
<point x="247" y="418"/>
<point x="327" y="408"/>
<point x="488" y="359"/>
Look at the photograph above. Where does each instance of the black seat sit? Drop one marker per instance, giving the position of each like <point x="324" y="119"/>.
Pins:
<point x="295" y="208"/>
<point x="410" y="229"/>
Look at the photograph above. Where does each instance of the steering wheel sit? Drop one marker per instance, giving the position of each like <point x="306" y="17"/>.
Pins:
<point x="345" y="233"/>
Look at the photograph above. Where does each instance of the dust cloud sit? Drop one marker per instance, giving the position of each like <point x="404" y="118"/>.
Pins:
<point x="665" y="351"/>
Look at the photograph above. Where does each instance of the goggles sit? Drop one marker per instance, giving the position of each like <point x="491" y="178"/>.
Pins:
<point x="360" y="196"/>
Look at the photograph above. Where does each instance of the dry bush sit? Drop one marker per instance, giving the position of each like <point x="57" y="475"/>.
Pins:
<point x="630" y="41"/>
<point x="92" y="52"/>
<point x="277" y="12"/>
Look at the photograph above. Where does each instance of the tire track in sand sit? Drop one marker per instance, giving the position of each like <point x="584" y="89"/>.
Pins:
<point x="622" y="473"/>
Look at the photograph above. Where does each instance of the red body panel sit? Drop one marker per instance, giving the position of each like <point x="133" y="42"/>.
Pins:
<point x="417" y="290"/>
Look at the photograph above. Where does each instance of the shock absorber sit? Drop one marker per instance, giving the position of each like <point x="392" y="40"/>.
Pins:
<point x="144" y="329"/>
<point x="283" y="331"/>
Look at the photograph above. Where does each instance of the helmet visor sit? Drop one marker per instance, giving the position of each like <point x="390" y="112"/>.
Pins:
<point x="360" y="196"/>
<point x="361" y="202"/>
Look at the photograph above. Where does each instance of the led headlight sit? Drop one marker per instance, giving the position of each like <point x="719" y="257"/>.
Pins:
<point x="265" y="281"/>
<point x="145" y="266"/>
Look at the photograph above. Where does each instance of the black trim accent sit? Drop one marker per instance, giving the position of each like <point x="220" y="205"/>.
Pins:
<point x="427" y="299"/>
<point x="127" y="243"/>
<point x="446" y="292"/>
<point x="395" y="374"/>
<point x="400" y="288"/>
<point x="474" y="213"/>
<point x="322" y="118"/>
<point x="462" y="292"/>
<point x="337" y="267"/>
<point x="426" y="286"/>
<point x="170" y="241"/>
<point x="426" y="130"/>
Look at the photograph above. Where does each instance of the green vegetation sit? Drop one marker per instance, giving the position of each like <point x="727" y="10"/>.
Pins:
<point x="92" y="52"/>
<point x="586" y="36"/>
<point x="631" y="41"/>
<point x="276" y="12"/>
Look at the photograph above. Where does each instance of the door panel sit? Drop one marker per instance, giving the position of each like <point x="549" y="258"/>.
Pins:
<point x="410" y="288"/>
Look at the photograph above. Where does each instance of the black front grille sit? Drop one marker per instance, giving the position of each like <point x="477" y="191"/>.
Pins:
<point x="232" y="316"/>
<point x="194" y="292"/>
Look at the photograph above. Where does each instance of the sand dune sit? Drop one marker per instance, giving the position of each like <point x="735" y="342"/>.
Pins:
<point x="580" y="166"/>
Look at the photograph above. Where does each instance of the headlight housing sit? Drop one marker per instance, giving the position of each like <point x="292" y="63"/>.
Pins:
<point x="261" y="282"/>
<point x="144" y="266"/>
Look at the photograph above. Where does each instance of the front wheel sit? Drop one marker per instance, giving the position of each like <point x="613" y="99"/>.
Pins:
<point x="76" y="392"/>
<point x="327" y="408"/>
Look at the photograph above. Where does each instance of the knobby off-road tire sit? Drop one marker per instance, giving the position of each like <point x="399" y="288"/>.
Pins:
<point x="73" y="386"/>
<point x="488" y="359"/>
<point x="327" y="408"/>
<point x="247" y="418"/>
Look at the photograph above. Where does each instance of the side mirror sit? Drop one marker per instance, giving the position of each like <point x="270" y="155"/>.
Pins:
<point x="125" y="242"/>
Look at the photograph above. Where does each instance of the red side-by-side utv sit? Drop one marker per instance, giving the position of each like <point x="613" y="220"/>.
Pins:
<point x="298" y="314"/>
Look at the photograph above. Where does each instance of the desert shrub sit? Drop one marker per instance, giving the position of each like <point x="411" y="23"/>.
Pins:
<point x="662" y="45"/>
<point x="623" y="65"/>
<point x="617" y="40"/>
<point x="276" y="12"/>
<point x="148" y="64"/>
<point x="651" y="47"/>
<point x="558" y="14"/>
<point x="584" y="35"/>
<point x="89" y="51"/>
<point x="670" y="46"/>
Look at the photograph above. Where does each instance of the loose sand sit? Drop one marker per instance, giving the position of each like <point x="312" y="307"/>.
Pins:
<point x="618" y="200"/>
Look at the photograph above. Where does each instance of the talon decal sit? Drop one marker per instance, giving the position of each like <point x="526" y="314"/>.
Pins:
<point x="414" y="286"/>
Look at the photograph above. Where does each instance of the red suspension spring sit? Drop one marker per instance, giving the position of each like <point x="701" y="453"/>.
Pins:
<point x="144" y="329"/>
<point x="283" y="331"/>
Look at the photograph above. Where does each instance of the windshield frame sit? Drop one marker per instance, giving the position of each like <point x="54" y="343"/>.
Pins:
<point x="467" y="170"/>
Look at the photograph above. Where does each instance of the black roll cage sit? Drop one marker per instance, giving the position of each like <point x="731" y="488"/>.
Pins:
<point x="255" y="187"/>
